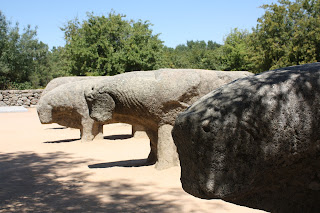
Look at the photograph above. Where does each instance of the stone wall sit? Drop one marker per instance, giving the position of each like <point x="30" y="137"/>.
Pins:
<point x="26" y="98"/>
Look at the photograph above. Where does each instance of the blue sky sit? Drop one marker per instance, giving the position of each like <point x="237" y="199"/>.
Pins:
<point x="177" y="21"/>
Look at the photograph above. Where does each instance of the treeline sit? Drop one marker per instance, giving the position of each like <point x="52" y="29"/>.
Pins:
<point x="287" y="34"/>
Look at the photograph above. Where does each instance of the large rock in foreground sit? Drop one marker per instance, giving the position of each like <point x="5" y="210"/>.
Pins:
<point x="152" y="100"/>
<point x="256" y="141"/>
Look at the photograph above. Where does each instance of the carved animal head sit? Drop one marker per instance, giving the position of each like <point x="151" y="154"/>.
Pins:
<point x="44" y="113"/>
<point x="101" y="105"/>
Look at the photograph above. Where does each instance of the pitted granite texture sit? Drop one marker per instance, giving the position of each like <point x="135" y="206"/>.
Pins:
<point x="152" y="100"/>
<point x="255" y="142"/>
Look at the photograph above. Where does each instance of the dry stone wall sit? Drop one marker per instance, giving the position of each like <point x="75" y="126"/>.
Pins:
<point x="26" y="98"/>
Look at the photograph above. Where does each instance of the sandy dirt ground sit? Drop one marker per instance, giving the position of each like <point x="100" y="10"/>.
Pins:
<point x="46" y="168"/>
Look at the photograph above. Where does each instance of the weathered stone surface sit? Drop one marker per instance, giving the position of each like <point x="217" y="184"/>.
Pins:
<point x="20" y="97"/>
<point x="26" y="94"/>
<point x="19" y="102"/>
<point x="34" y="102"/>
<point x="15" y="98"/>
<point x="153" y="99"/>
<point x="138" y="131"/>
<point x="1" y="97"/>
<point x="256" y="141"/>
<point x="24" y="98"/>
<point x="67" y="106"/>
<point x="64" y="80"/>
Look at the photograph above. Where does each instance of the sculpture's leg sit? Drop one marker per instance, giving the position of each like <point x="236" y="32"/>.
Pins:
<point x="153" y="136"/>
<point x="138" y="131"/>
<point x="86" y="131"/>
<point x="81" y="133"/>
<point x="97" y="131"/>
<point x="167" y="150"/>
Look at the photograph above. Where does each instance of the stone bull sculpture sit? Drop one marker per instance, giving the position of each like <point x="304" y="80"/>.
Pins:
<point x="153" y="99"/>
<point x="256" y="141"/>
<point x="65" y="104"/>
<point x="64" y="80"/>
<point x="136" y="130"/>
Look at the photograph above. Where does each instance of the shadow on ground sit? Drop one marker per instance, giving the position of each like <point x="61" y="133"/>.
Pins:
<point x="125" y="163"/>
<point x="117" y="137"/>
<point x="30" y="183"/>
<point x="63" y="127"/>
<point x="64" y="140"/>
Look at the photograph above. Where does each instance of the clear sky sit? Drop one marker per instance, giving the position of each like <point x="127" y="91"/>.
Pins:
<point x="176" y="20"/>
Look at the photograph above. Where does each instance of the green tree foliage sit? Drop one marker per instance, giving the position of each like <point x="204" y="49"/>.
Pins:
<point x="4" y="43"/>
<point x="195" y="54"/>
<point x="287" y="34"/>
<point x="57" y="62"/>
<point x="23" y="59"/>
<point x="110" y="45"/>
<point x="235" y="52"/>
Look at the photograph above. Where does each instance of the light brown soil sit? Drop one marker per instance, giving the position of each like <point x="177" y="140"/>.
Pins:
<point x="45" y="168"/>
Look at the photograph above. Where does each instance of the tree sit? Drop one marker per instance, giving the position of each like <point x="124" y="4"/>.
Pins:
<point x="57" y="62"/>
<point x="235" y="51"/>
<point x="23" y="59"/>
<point x="176" y="57"/>
<point x="4" y="45"/>
<point x="287" y="34"/>
<point x="195" y="54"/>
<point x="306" y="31"/>
<point x="110" y="45"/>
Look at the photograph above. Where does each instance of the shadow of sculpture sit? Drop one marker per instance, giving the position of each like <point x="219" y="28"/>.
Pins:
<point x="63" y="127"/>
<point x="118" y="137"/>
<point x="31" y="183"/>
<point x="125" y="163"/>
<point x="63" y="141"/>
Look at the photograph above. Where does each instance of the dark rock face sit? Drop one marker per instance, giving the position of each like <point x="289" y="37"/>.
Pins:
<point x="255" y="141"/>
<point x="152" y="99"/>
